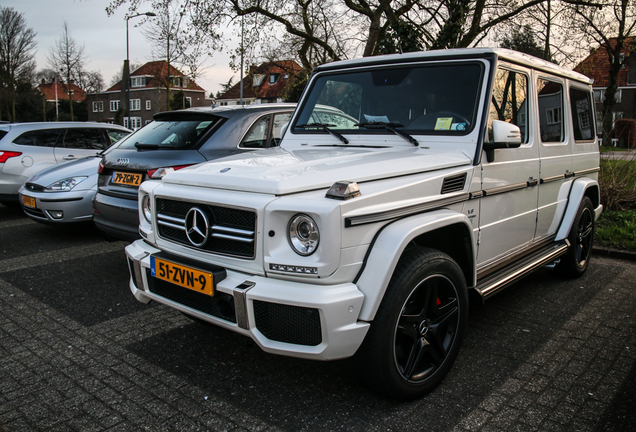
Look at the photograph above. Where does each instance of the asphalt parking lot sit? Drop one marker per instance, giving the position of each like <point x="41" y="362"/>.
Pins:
<point x="78" y="353"/>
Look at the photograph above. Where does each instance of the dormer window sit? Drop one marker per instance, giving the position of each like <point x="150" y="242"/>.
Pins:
<point x="273" y="78"/>
<point x="138" y="81"/>
<point x="177" y="81"/>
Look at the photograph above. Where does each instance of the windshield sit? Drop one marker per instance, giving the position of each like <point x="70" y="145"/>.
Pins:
<point x="182" y="134"/>
<point x="416" y="99"/>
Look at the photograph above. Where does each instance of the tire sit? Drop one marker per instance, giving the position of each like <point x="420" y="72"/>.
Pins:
<point x="418" y="329"/>
<point x="581" y="239"/>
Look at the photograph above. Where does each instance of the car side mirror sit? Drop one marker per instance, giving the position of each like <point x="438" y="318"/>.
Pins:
<point x="505" y="135"/>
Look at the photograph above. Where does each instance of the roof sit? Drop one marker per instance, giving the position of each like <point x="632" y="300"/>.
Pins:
<point x="264" y="89"/>
<point x="48" y="90"/>
<point x="154" y="69"/>
<point x="597" y="65"/>
<point x="458" y="53"/>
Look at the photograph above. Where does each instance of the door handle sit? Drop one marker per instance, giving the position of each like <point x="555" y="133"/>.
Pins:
<point x="69" y="157"/>
<point x="532" y="182"/>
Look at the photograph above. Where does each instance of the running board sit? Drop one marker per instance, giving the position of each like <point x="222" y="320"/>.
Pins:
<point x="501" y="279"/>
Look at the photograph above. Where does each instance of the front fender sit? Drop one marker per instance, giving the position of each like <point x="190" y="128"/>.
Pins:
<point x="580" y="188"/>
<point x="388" y="248"/>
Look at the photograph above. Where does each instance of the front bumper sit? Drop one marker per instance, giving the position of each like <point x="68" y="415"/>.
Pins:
<point x="282" y="317"/>
<point x="59" y="207"/>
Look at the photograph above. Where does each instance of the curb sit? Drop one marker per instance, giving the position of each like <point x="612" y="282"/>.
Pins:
<point x="614" y="253"/>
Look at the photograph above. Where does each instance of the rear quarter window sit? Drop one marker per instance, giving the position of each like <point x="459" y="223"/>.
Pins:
<point x="2" y="134"/>
<point x="40" y="138"/>
<point x="84" y="138"/>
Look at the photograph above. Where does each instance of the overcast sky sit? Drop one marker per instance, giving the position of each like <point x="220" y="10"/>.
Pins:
<point x="103" y="37"/>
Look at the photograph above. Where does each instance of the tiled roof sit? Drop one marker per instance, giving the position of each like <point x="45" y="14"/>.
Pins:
<point x="48" y="90"/>
<point x="597" y="65"/>
<point x="153" y="69"/>
<point x="264" y="90"/>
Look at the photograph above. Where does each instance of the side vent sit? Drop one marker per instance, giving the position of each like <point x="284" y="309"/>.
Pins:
<point x="454" y="183"/>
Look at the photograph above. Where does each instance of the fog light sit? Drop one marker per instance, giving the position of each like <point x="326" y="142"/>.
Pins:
<point x="55" y="214"/>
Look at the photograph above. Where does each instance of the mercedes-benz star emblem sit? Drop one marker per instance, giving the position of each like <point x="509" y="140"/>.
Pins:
<point x="196" y="226"/>
<point x="123" y="161"/>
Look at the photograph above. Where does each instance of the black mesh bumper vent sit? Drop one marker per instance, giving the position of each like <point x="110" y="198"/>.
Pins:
<point x="290" y="324"/>
<point x="221" y="305"/>
<point x="232" y="231"/>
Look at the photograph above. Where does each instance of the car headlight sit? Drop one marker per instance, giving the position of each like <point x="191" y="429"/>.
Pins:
<point x="65" y="185"/>
<point x="146" y="208"/>
<point x="303" y="235"/>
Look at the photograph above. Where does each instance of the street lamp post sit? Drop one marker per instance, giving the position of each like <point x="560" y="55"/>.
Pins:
<point x="127" y="66"/>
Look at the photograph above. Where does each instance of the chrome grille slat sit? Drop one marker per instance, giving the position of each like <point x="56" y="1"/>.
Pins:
<point x="171" y="225"/>
<point x="229" y="237"/>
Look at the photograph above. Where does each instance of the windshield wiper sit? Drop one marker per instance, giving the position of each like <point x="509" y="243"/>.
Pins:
<point x="144" y="146"/>
<point x="392" y="128"/>
<point x="325" y="127"/>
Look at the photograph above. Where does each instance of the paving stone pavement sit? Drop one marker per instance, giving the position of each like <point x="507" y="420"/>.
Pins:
<point x="78" y="353"/>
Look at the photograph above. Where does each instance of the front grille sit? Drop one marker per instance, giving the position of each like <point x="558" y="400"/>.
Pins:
<point x="231" y="231"/>
<point x="34" y="187"/>
<point x="291" y="324"/>
<point x="221" y="305"/>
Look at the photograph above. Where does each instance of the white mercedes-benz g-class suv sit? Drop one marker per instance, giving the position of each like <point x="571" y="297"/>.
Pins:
<point x="403" y="184"/>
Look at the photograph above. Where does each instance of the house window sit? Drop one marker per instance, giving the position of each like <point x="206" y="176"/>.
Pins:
<point x="618" y="95"/>
<point x="177" y="81"/>
<point x="616" y="115"/>
<point x="134" y="121"/>
<point x="599" y="96"/>
<point x="138" y="82"/>
<point x="273" y="78"/>
<point x="188" y="102"/>
<point x="135" y="104"/>
<point x="98" y="106"/>
<point x="114" y="105"/>
<point x="148" y="105"/>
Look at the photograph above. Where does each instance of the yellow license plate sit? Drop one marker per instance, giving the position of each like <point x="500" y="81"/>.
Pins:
<point x="128" y="179"/>
<point x="186" y="277"/>
<point x="28" y="201"/>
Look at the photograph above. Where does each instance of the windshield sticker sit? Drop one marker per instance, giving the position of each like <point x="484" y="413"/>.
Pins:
<point x="458" y="126"/>
<point x="376" y="119"/>
<point x="443" y="123"/>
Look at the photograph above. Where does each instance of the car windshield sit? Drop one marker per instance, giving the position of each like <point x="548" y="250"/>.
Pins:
<point x="417" y="99"/>
<point x="177" y="134"/>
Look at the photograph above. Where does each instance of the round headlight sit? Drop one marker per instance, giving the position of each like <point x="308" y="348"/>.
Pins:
<point x="146" y="208"/>
<point x="303" y="235"/>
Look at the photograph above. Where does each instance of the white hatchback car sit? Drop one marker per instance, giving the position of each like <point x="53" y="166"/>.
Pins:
<point x="27" y="148"/>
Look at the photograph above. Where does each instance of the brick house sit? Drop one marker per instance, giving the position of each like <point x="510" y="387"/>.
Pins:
<point x="147" y="96"/>
<point x="597" y="65"/>
<point x="55" y="91"/>
<point x="264" y="84"/>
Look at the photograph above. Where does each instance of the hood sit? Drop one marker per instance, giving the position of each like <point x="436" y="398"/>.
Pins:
<point x="280" y="172"/>
<point x="79" y="167"/>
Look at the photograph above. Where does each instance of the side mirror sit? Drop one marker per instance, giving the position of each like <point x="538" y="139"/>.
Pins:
<point x="505" y="135"/>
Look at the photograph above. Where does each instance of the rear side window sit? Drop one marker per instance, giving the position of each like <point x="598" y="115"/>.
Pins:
<point x="40" y="138"/>
<point x="2" y="134"/>
<point x="84" y="138"/>
<point x="178" y="134"/>
<point x="550" y="111"/>
<point x="582" y="119"/>
<point x="116" y="135"/>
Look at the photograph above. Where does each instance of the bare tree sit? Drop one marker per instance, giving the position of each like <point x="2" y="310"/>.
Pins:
<point x="17" y="43"/>
<point x="67" y="56"/>
<point x="609" y="27"/>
